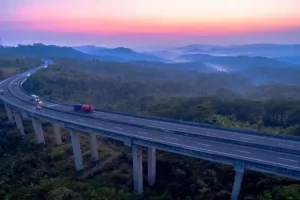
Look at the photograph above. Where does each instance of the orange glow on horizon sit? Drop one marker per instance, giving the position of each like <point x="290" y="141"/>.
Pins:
<point x="213" y="18"/>
<point x="127" y="27"/>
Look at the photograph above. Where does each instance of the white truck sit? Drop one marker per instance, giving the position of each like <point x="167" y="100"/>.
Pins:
<point x="35" y="98"/>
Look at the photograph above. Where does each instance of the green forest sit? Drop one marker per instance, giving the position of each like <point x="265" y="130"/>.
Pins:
<point x="10" y="65"/>
<point x="30" y="171"/>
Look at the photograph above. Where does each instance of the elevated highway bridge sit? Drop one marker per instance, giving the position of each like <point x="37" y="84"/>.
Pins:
<point x="244" y="149"/>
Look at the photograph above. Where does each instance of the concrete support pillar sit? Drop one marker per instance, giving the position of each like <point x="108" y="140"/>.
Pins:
<point x="94" y="147"/>
<point x="9" y="113"/>
<point x="239" y="174"/>
<point x="24" y="115"/>
<point x="151" y="165"/>
<point x="19" y="122"/>
<point x="137" y="158"/>
<point x="57" y="134"/>
<point x="76" y="150"/>
<point x="38" y="130"/>
<point x="16" y="117"/>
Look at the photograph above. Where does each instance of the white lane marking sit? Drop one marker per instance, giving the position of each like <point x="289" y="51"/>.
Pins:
<point x="246" y="138"/>
<point x="229" y="154"/>
<point x="52" y="105"/>
<point x="211" y="133"/>
<point x="98" y="124"/>
<point x="178" y="125"/>
<point x="289" y="145"/>
<point x="118" y="127"/>
<point x="264" y="137"/>
<point x="242" y="151"/>
<point x="287" y="159"/>
<point x="208" y="145"/>
<point x="142" y="132"/>
<point x="171" y="138"/>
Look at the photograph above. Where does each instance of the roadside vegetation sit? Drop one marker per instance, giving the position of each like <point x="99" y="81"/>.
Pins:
<point x="10" y="65"/>
<point x="29" y="171"/>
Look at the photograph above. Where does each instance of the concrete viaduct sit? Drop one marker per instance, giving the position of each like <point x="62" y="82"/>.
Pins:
<point x="244" y="149"/>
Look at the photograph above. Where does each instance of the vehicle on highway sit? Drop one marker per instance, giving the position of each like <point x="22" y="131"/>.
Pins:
<point x="1" y="92"/>
<point x="83" y="107"/>
<point x="38" y="107"/>
<point x="35" y="98"/>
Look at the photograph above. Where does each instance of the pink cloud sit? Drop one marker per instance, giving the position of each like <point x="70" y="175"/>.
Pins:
<point x="60" y="17"/>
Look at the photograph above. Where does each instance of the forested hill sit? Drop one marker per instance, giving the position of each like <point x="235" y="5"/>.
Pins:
<point x="266" y="75"/>
<point x="120" y="54"/>
<point x="235" y="63"/>
<point x="41" y="50"/>
<point x="10" y="65"/>
<point x="130" y="89"/>
<point x="153" y="93"/>
<point x="283" y="52"/>
<point x="267" y="50"/>
<point x="32" y="172"/>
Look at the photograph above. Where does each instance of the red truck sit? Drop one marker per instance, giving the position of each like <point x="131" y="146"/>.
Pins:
<point x="83" y="107"/>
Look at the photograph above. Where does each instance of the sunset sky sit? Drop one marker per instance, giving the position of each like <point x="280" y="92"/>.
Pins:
<point x="149" y="23"/>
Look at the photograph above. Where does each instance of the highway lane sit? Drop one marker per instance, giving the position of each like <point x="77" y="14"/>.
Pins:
<point x="234" y="151"/>
<point x="283" y="143"/>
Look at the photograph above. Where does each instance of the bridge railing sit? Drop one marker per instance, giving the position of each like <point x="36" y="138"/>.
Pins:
<point x="176" y="148"/>
<point x="207" y="137"/>
<point x="196" y="124"/>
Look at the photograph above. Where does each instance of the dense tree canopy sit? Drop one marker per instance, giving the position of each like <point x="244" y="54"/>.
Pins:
<point x="29" y="171"/>
<point x="13" y="64"/>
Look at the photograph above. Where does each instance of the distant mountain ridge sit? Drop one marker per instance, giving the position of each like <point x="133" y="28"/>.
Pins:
<point x="290" y="59"/>
<point x="283" y="52"/>
<point x="122" y="54"/>
<point x="244" y="49"/>
<point x="191" y="61"/>
<point x="41" y="50"/>
<point x="86" y="48"/>
<point x="233" y="63"/>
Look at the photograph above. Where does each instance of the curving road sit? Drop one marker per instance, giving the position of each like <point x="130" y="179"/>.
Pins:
<point x="14" y="94"/>
<point x="201" y="131"/>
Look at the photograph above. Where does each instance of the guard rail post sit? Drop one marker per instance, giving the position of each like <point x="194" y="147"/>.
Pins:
<point x="151" y="165"/>
<point x="137" y="160"/>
